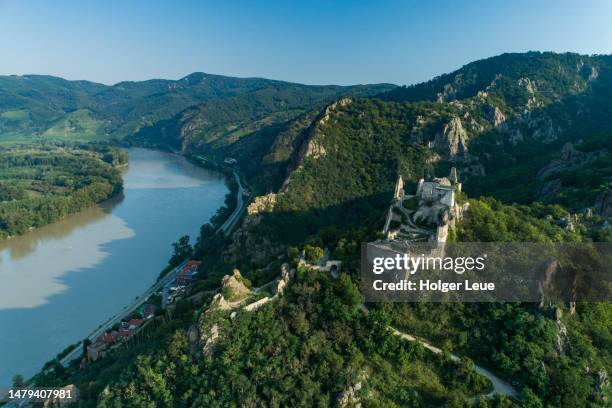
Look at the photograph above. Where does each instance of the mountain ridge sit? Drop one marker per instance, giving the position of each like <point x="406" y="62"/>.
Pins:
<point x="30" y="104"/>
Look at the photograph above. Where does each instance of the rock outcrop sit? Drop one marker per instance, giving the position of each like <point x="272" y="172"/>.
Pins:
<point x="556" y="281"/>
<point x="235" y="286"/>
<point x="452" y="139"/>
<point x="283" y="280"/>
<point x="602" y="383"/>
<point x="531" y="88"/>
<point x="193" y="335"/>
<point x="562" y="343"/>
<point x="261" y="204"/>
<point x="495" y="115"/>
<point x="209" y="339"/>
<point x="233" y="293"/>
<point x="544" y="129"/>
<point x="349" y="397"/>
<point x="312" y="147"/>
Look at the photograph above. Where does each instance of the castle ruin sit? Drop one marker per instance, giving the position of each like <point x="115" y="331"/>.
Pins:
<point x="425" y="216"/>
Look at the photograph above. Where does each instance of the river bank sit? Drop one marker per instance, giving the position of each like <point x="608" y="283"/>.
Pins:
<point x="62" y="280"/>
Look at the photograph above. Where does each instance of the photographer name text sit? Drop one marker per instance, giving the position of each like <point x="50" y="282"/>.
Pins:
<point x="426" y="285"/>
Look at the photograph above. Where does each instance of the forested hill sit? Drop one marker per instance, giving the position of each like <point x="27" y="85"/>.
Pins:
<point x="556" y="75"/>
<point x="530" y="138"/>
<point x="223" y="121"/>
<point x="38" y="108"/>
<point x="519" y="127"/>
<point x="530" y="130"/>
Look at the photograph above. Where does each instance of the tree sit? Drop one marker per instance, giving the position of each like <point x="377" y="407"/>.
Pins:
<point x="86" y="343"/>
<point x="313" y="253"/>
<point x="18" y="381"/>
<point x="182" y="250"/>
<point x="529" y="399"/>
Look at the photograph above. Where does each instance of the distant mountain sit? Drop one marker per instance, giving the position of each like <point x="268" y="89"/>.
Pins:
<point x="45" y="107"/>
<point x="222" y="121"/>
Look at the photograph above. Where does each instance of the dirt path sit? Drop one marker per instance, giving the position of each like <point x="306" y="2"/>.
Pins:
<point x="499" y="386"/>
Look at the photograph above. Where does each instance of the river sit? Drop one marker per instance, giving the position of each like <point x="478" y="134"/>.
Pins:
<point x="59" y="282"/>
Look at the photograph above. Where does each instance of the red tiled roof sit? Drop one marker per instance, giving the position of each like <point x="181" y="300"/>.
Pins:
<point x="136" y="322"/>
<point x="108" y="337"/>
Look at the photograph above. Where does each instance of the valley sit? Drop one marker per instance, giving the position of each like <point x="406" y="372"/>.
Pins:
<point x="528" y="139"/>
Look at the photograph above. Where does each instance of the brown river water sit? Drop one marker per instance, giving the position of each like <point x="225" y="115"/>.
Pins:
<point x="59" y="282"/>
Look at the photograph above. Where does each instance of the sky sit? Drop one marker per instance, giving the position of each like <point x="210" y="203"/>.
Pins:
<point x="312" y="42"/>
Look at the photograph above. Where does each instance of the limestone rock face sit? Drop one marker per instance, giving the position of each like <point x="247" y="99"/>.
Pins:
<point x="261" y="204"/>
<point x="461" y="211"/>
<point x="235" y="285"/>
<point x="312" y="146"/>
<point x="349" y="397"/>
<point x="531" y="88"/>
<point x="495" y="115"/>
<point x="448" y="93"/>
<point x="233" y="293"/>
<point x="452" y="139"/>
<point x="602" y="382"/>
<point x="219" y="302"/>
<point x="210" y="340"/>
<point x="544" y="129"/>
<point x="331" y="107"/>
<point x="283" y="280"/>
<point x="313" y="149"/>
<point x="562" y="342"/>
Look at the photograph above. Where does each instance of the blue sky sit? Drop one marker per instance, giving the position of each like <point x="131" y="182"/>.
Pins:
<point x="313" y="42"/>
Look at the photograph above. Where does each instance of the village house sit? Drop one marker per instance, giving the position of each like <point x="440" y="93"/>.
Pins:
<point x="133" y="324"/>
<point x="181" y="285"/>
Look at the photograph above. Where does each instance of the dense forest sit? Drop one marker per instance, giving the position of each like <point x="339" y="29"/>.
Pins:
<point x="39" y="186"/>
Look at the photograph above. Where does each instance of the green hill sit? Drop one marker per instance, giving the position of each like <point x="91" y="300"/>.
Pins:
<point x="530" y="138"/>
<point x="525" y="127"/>
<point x="33" y="107"/>
<point x="536" y="140"/>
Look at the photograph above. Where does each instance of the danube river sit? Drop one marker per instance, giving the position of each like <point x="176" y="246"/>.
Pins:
<point x="58" y="283"/>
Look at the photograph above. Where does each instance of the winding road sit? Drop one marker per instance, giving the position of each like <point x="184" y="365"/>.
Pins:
<point x="228" y="225"/>
<point x="499" y="386"/>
